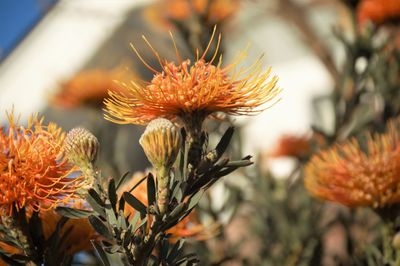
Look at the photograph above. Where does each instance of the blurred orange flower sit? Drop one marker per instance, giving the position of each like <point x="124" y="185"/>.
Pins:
<point x="33" y="172"/>
<point x="192" y="92"/>
<point x="353" y="177"/>
<point x="293" y="146"/>
<point x="89" y="87"/>
<point x="213" y="11"/>
<point x="188" y="227"/>
<point x="378" y="11"/>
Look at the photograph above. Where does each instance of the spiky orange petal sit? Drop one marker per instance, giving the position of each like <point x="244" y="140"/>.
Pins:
<point x="33" y="171"/>
<point x="187" y="90"/>
<point x="353" y="177"/>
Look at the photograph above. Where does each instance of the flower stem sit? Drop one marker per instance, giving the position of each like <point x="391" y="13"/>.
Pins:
<point x="163" y="180"/>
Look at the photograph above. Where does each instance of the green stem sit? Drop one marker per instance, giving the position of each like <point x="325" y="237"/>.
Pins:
<point x="163" y="180"/>
<point x="388" y="233"/>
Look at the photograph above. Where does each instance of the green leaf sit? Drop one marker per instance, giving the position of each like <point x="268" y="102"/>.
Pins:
<point x="195" y="199"/>
<point x="224" y="142"/>
<point x="121" y="204"/>
<point x="178" y="209"/>
<point x="137" y="184"/>
<point x="102" y="254"/>
<point x="173" y="254"/>
<point x="122" y="220"/>
<point x="73" y="213"/>
<point x="142" y="223"/>
<point x="151" y="189"/>
<point x="111" y="217"/>
<point x="100" y="227"/>
<point x="135" y="220"/>
<point x="95" y="206"/>
<point x="121" y="180"/>
<point x="242" y="163"/>
<point x="176" y="188"/>
<point x="135" y="203"/>
<point x="112" y="194"/>
<point x="96" y="197"/>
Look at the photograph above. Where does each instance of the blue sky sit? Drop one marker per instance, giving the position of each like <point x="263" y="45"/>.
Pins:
<point x="17" y="18"/>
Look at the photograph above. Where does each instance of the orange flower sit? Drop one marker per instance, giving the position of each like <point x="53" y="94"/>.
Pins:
<point x="192" y="92"/>
<point x="188" y="227"/>
<point x="348" y="175"/>
<point x="378" y="11"/>
<point x="214" y="11"/>
<point x="33" y="171"/>
<point x="78" y="239"/>
<point x="211" y="11"/>
<point x="294" y="146"/>
<point x="89" y="87"/>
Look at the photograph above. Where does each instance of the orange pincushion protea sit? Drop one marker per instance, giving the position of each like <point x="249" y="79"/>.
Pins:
<point x="33" y="171"/>
<point x="89" y="87"/>
<point x="211" y="11"/>
<point x="192" y="92"/>
<point x="348" y="175"/>
<point x="214" y="11"/>
<point x="294" y="146"/>
<point x="188" y="227"/>
<point x="378" y="11"/>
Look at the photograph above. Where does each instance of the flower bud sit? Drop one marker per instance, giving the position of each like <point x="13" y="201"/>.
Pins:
<point x="396" y="241"/>
<point x="81" y="147"/>
<point x="161" y="142"/>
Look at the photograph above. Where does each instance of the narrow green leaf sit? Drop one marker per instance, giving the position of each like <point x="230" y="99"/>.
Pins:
<point x="121" y="204"/>
<point x="121" y="220"/>
<point x="73" y="213"/>
<point x="178" y="209"/>
<point x="151" y="189"/>
<point x="135" y="203"/>
<point x="112" y="194"/>
<point x="142" y="223"/>
<point x="95" y="206"/>
<point x="96" y="197"/>
<point x="101" y="253"/>
<point x="121" y="180"/>
<point x="224" y="142"/>
<point x="137" y="184"/>
<point x="135" y="220"/>
<point x="241" y="163"/>
<point x="175" y="188"/>
<point x="195" y="199"/>
<point x="173" y="254"/>
<point x="111" y="217"/>
<point x="100" y="227"/>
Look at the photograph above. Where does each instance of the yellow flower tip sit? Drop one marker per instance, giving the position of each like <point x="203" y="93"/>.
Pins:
<point x="161" y="143"/>
<point x="81" y="147"/>
<point x="33" y="174"/>
<point x="354" y="177"/>
<point x="183" y="90"/>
